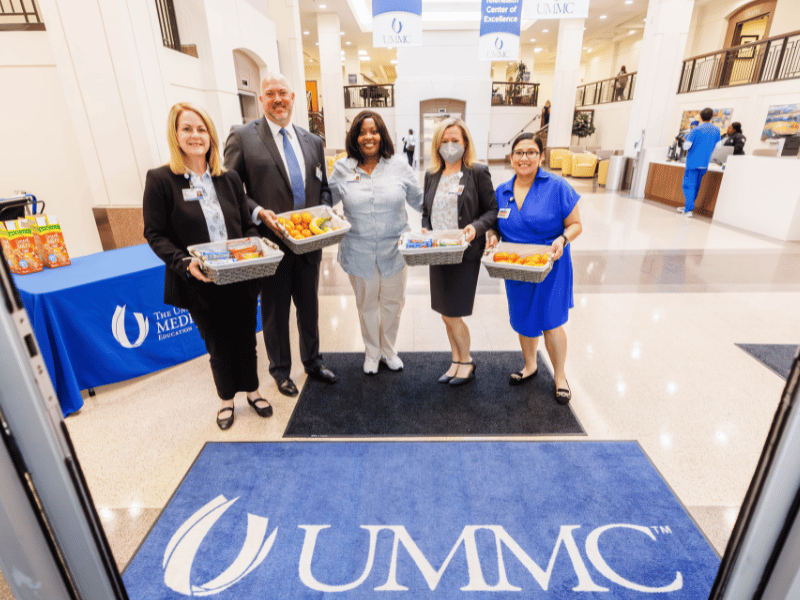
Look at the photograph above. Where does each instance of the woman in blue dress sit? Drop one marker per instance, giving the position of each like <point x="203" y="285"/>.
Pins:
<point x="537" y="207"/>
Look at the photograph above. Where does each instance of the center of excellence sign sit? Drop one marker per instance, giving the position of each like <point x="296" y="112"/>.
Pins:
<point x="500" y="25"/>
<point x="396" y="23"/>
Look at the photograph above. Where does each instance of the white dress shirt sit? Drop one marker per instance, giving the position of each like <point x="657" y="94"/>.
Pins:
<point x="298" y="152"/>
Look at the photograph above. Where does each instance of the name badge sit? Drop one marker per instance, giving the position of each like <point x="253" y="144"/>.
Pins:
<point x="460" y="189"/>
<point x="319" y="173"/>
<point x="192" y="194"/>
<point x="503" y="213"/>
<point x="354" y="178"/>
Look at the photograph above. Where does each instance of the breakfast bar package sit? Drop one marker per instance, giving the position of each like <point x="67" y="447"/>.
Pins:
<point x="49" y="241"/>
<point x="19" y="247"/>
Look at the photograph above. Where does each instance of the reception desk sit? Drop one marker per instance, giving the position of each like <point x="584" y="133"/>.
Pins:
<point x="761" y="195"/>
<point x="664" y="185"/>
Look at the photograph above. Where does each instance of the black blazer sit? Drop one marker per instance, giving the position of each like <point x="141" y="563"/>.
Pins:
<point x="477" y="204"/>
<point x="171" y="224"/>
<point x="252" y="152"/>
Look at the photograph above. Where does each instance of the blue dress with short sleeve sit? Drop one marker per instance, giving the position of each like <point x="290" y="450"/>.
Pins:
<point x="537" y="307"/>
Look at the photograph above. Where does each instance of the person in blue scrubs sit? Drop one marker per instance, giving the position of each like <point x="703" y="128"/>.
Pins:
<point x="537" y="207"/>
<point x="701" y="142"/>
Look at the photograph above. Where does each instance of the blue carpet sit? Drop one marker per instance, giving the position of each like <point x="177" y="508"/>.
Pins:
<point x="407" y="520"/>
<point x="776" y="357"/>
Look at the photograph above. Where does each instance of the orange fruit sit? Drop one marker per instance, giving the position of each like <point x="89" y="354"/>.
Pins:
<point x="296" y="235"/>
<point x="289" y="225"/>
<point x="282" y="220"/>
<point x="307" y="233"/>
<point x="513" y="256"/>
<point x="307" y="217"/>
<point x="297" y="218"/>
<point x="500" y="256"/>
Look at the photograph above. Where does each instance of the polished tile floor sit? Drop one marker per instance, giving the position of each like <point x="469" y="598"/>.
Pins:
<point x="660" y="301"/>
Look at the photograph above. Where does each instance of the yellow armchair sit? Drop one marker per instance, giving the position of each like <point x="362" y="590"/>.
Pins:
<point x="583" y="165"/>
<point x="566" y="163"/>
<point x="602" y="172"/>
<point x="333" y="159"/>
<point x="556" y="154"/>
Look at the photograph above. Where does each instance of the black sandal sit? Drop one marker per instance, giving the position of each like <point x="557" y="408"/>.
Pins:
<point x="519" y="379"/>
<point x="563" y="396"/>
<point x="224" y="422"/>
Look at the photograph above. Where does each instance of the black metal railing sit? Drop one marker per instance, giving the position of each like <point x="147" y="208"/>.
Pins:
<point x="511" y="93"/>
<point x="613" y="89"/>
<point x="367" y="96"/>
<point x="169" y="24"/>
<point x="17" y="15"/>
<point x="772" y="59"/>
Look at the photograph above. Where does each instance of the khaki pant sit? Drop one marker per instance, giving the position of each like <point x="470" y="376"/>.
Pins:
<point x="380" y="301"/>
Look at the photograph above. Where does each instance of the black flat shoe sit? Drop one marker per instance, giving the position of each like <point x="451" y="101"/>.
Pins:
<point x="322" y="374"/>
<point x="287" y="387"/>
<point x="468" y="378"/>
<point x="518" y="379"/>
<point x="446" y="378"/>
<point x="225" y="422"/>
<point x="263" y="411"/>
<point x="563" y="396"/>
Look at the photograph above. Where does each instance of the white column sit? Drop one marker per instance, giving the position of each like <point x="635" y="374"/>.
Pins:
<point x="567" y="75"/>
<point x="330" y="68"/>
<point x="290" y="52"/>
<point x="657" y="79"/>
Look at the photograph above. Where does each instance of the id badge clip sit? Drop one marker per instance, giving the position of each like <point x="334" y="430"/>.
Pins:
<point x="192" y="194"/>
<point x="503" y="213"/>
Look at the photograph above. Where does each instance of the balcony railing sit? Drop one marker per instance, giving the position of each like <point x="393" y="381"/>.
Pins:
<point x="772" y="59"/>
<point x="614" y="89"/>
<point x="16" y="15"/>
<point x="169" y="24"/>
<point x="508" y="93"/>
<point x="367" y="96"/>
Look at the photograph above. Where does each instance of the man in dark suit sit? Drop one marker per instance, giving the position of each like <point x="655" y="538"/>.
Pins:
<point x="283" y="168"/>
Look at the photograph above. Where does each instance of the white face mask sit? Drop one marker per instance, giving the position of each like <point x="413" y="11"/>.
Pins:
<point x="451" y="151"/>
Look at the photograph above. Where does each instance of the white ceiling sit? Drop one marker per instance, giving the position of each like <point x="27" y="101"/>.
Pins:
<point x="621" y="19"/>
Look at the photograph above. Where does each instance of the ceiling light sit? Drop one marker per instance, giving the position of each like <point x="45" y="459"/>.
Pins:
<point x="545" y="30"/>
<point x="322" y="6"/>
<point x="342" y="52"/>
<point x="631" y="32"/>
<point x="585" y="48"/>
<point x="393" y="61"/>
<point x="316" y="43"/>
<point x="537" y="49"/>
<point x="533" y="39"/>
<point x="341" y="33"/>
<point x="363" y="58"/>
<point x="305" y="33"/>
<point x="310" y="60"/>
<point x="347" y="43"/>
<point x="628" y="1"/>
<point x="603" y="16"/>
<point x="589" y="50"/>
<point x="362" y="51"/>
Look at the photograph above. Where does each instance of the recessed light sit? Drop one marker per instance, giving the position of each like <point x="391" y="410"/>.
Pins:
<point x="545" y="30"/>
<point x="628" y="1"/>
<point x="631" y="32"/>
<point x="342" y="51"/>
<point x="309" y="60"/>
<point x="341" y="33"/>
<point x="306" y="33"/>
<point x="347" y="43"/>
<point x="589" y="50"/>
<point x="533" y="39"/>
<point x="363" y="52"/>
<point x="316" y="43"/>
<point x="394" y="62"/>
<point x="363" y="58"/>
<point x="537" y="49"/>
<point x="603" y="16"/>
<point x="322" y="6"/>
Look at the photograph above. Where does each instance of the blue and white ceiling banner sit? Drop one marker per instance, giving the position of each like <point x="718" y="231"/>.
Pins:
<point x="500" y="24"/>
<point x="557" y="9"/>
<point x="396" y="23"/>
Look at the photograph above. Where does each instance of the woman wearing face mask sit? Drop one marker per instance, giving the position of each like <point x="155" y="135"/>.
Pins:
<point x="537" y="207"/>
<point x="458" y="195"/>
<point x="374" y="186"/>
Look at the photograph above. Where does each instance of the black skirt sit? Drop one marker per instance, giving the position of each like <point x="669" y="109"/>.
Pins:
<point x="453" y="287"/>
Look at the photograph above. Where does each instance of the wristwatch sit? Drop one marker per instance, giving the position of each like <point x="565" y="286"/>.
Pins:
<point x="566" y="239"/>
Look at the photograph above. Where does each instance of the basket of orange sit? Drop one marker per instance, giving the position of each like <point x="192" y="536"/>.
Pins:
<point x="312" y="228"/>
<point x="519" y="262"/>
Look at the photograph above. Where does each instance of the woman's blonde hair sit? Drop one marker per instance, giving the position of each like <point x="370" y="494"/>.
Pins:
<point x="176" y="162"/>
<point x="437" y="164"/>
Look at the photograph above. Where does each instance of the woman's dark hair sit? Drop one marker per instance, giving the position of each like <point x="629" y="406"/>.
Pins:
<point x="737" y="127"/>
<point x="528" y="136"/>
<point x="386" y="147"/>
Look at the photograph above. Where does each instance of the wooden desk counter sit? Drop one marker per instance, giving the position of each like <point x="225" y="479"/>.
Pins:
<point x="664" y="181"/>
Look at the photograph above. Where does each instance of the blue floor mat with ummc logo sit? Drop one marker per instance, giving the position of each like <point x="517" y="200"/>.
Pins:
<point x="403" y="520"/>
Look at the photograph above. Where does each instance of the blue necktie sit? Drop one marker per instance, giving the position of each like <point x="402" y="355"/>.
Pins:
<point x="295" y="174"/>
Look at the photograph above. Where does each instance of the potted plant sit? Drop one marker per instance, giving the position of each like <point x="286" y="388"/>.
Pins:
<point x="582" y="125"/>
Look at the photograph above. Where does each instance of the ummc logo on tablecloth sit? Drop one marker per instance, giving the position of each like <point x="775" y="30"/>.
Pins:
<point x="118" y="328"/>
<point x="179" y="557"/>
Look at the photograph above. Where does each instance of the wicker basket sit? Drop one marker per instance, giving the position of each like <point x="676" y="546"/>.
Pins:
<point x="518" y="272"/>
<point x="316" y="242"/>
<point x="253" y="268"/>
<point x="448" y="255"/>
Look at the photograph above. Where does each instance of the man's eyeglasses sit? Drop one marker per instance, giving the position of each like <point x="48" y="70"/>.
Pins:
<point x="528" y="153"/>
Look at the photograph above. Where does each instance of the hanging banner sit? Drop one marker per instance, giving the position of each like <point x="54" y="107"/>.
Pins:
<point x="396" y="23"/>
<point x="500" y="23"/>
<point x="558" y="9"/>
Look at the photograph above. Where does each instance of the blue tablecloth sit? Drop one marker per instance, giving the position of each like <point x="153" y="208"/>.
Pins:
<point x="102" y="320"/>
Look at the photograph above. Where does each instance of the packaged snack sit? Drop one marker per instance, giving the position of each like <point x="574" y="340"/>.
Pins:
<point x="419" y="244"/>
<point x="219" y="262"/>
<point x="19" y="247"/>
<point x="245" y="254"/>
<point x="445" y="243"/>
<point x="49" y="240"/>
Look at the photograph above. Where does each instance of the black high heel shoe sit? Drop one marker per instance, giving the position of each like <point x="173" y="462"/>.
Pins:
<point x="446" y="378"/>
<point x="563" y="395"/>
<point x="518" y="379"/>
<point x="468" y="378"/>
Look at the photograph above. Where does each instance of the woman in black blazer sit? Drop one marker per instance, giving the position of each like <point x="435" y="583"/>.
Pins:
<point x="193" y="200"/>
<point x="458" y="195"/>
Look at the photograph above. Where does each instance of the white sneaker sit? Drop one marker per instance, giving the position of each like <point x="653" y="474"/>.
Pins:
<point x="371" y="366"/>
<point x="394" y="363"/>
<point x="681" y="209"/>
<point x="688" y="214"/>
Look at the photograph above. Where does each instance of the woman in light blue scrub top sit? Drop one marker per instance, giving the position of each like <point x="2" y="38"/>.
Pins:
<point x="537" y="207"/>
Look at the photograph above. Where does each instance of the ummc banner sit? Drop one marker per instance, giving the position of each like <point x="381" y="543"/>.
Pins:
<point x="396" y="23"/>
<point x="500" y="24"/>
<point x="558" y="9"/>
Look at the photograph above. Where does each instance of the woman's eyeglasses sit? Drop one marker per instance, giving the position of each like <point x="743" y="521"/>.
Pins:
<point x="528" y="153"/>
